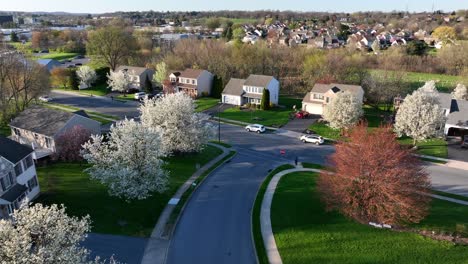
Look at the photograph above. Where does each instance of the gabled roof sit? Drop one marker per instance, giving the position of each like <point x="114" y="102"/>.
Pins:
<point x="458" y="113"/>
<point x="191" y="73"/>
<point x="258" y="80"/>
<point x="335" y="87"/>
<point x="12" y="150"/>
<point x="14" y="193"/>
<point x="42" y="120"/>
<point x="49" y="63"/>
<point x="131" y="69"/>
<point x="234" y="87"/>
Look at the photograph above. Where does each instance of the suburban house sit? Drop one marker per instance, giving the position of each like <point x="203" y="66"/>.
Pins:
<point x="321" y="95"/>
<point x="18" y="179"/>
<point x="50" y="64"/>
<point x="456" y="112"/>
<point x="39" y="127"/>
<point x="137" y="75"/>
<point x="193" y="82"/>
<point x="250" y="90"/>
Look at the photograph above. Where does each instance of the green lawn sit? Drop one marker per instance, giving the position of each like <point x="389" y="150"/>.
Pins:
<point x="65" y="183"/>
<point x="374" y="116"/>
<point x="325" y="131"/>
<point x="444" y="82"/>
<point x="126" y="97"/>
<point x="289" y="102"/>
<point x="306" y="233"/>
<point x="58" y="56"/>
<point x="205" y="103"/>
<point x="276" y="117"/>
<point x="98" y="90"/>
<point x="256" y="229"/>
<point x="432" y="147"/>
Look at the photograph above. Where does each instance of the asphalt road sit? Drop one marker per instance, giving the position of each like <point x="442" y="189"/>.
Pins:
<point x="449" y="179"/>
<point x="123" y="249"/>
<point x="215" y="226"/>
<point x="97" y="103"/>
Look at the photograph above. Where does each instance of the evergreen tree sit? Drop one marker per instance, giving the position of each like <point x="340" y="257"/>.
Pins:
<point x="148" y="85"/>
<point x="14" y="37"/>
<point x="217" y="87"/>
<point x="265" y="104"/>
<point x="74" y="80"/>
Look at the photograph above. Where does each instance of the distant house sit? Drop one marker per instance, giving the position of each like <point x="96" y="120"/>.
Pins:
<point x="39" y="127"/>
<point x="18" y="178"/>
<point x="193" y="82"/>
<point x="50" y="64"/>
<point x="456" y="112"/>
<point x="322" y="94"/>
<point x="6" y="19"/>
<point x="138" y="76"/>
<point x="250" y="90"/>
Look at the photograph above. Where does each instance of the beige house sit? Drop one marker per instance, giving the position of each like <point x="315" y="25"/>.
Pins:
<point x="322" y="94"/>
<point x="137" y="75"/>
<point x="193" y="82"/>
<point x="39" y="127"/>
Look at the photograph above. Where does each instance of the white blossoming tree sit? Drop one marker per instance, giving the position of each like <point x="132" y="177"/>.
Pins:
<point x="460" y="92"/>
<point x="43" y="234"/>
<point x="343" y="111"/>
<point x="183" y="130"/>
<point x="118" y="81"/>
<point x="161" y="73"/>
<point x="87" y="76"/>
<point x="420" y="115"/>
<point x="129" y="162"/>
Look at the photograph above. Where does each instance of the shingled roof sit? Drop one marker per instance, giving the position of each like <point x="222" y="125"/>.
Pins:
<point x="42" y="120"/>
<point x="12" y="150"/>
<point x="131" y="69"/>
<point x="191" y="73"/>
<point x="323" y="88"/>
<point x="234" y="87"/>
<point x="258" y="80"/>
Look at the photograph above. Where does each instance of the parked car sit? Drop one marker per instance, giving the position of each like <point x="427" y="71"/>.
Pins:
<point x="159" y="95"/>
<point x="309" y="132"/>
<point x="45" y="98"/>
<point x="316" y="139"/>
<point x="149" y="96"/>
<point x="79" y="57"/>
<point x="464" y="143"/>
<point x="139" y="95"/>
<point x="78" y="64"/>
<point x="302" y="114"/>
<point x="255" y="128"/>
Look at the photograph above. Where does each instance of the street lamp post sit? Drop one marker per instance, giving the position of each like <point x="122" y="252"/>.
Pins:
<point x="219" y="122"/>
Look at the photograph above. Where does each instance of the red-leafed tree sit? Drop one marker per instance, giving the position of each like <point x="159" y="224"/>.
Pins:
<point x="69" y="144"/>
<point x="375" y="179"/>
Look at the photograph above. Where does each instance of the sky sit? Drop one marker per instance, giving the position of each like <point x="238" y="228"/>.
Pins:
<point x="101" y="6"/>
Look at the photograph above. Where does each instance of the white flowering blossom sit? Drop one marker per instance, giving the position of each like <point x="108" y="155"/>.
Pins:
<point x="460" y="92"/>
<point x="43" y="234"/>
<point x="343" y="111"/>
<point x="420" y="115"/>
<point x="87" y="75"/>
<point x="118" y="80"/>
<point x="129" y="163"/>
<point x="183" y="130"/>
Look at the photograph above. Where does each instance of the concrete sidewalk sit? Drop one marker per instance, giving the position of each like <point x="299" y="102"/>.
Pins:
<point x="456" y="164"/>
<point x="158" y="244"/>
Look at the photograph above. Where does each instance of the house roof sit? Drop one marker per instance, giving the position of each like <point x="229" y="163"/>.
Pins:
<point x="42" y="120"/>
<point x="323" y="88"/>
<point x="49" y="63"/>
<point x="16" y="191"/>
<point x="12" y="150"/>
<point x="458" y="113"/>
<point x="234" y="87"/>
<point x="445" y="100"/>
<point x="191" y="73"/>
<point x="258" y="80"/>
<point x="130" y="69"/>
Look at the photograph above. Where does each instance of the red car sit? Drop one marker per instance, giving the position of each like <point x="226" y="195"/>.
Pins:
<point x="302" y="114"/>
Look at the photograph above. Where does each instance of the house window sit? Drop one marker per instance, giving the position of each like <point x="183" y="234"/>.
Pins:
<point x="318" y="96"/>
<point x="36" y="136"/>
<point x="328" y="99"/>
<point x="28" y="162"/>
<point x="193" y="81"/>
<point x="32" y="183"/>
<point x="18" y="169"/>
<point x="17" y="132"/>
<point x="48" y="142"/>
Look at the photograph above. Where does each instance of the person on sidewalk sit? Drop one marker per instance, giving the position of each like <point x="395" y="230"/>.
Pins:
<point x="296" y="160"/>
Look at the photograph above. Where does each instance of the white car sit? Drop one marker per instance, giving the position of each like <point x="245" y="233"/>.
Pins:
<point x="316" y="139"/>
<point x="139" y="95"/>
<point x="255" y="128"/>
<point x="45" y="98"/>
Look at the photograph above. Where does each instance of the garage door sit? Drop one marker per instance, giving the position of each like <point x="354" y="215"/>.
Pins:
<point x="231" y="99"/>
<point x="313" y="109"/>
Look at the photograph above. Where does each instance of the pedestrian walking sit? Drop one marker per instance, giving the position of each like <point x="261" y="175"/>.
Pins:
<point x="112" y="98"/>
<point x="296" y="160"/>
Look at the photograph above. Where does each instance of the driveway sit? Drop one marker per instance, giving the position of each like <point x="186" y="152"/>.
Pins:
<point x="215" y="225"/>
<point x="124" y="249"/>
<point x="455" y="152"/>
<point x="299" y="125"/>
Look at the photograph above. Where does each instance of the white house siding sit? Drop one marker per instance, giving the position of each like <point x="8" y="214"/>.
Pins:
<point x="231" y="99"/>
<point x="27" y="175"/>
<point x="273" y="87"/>
<point x="93" y="126"/>
<point x="35" y="140"/>
<point x="204" y="83"/>
<point x="315" y="109"/>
